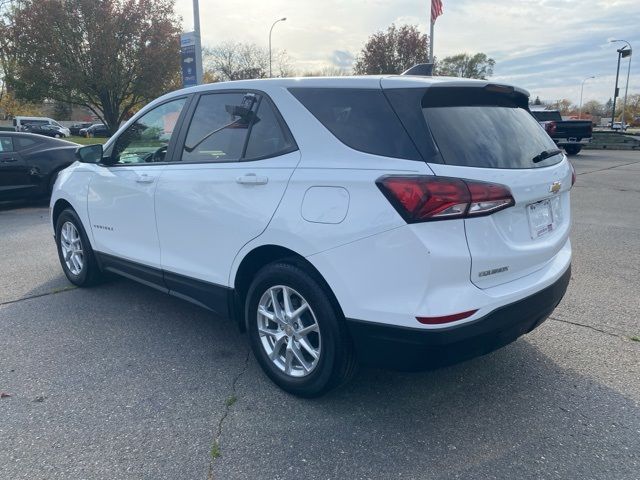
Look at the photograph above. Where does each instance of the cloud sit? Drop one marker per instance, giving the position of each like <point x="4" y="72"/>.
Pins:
<point x="342" y="59"/>
<point x="546" y="46"/>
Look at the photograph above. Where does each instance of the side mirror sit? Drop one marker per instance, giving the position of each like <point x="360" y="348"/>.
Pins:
<point x="89" y="154"/>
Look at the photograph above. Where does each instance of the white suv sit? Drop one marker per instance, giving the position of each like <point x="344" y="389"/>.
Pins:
<point x="401" y="221"/>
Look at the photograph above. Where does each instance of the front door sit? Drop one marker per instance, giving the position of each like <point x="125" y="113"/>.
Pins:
<point x="121" y="194"/>
<point x="231" y="169"/>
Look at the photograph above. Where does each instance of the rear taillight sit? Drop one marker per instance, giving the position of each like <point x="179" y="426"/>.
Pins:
<point x="550" y="127"/>
<point x="421" y="198"/>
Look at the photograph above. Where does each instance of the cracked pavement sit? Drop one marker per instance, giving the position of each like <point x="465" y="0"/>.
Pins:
<point x="122" y="382"/>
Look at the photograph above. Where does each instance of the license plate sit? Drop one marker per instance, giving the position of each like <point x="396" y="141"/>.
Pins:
<point x="541" y="218"/>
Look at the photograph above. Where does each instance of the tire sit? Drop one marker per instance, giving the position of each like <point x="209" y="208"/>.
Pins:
<point x="572" y="149"/>
<point x="335" y="363"/>
<point x="89" y="272"/>
<point x="57" y="136"/>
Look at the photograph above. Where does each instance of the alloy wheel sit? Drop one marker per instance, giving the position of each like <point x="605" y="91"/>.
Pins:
<point x="289" y="331"/>
<point x="71" y="246"/>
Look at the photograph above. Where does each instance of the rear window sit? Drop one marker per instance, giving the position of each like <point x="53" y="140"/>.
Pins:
<point x="488" y="136"/>
<point x="362" y="119"/>
<point x="547" y="116"/>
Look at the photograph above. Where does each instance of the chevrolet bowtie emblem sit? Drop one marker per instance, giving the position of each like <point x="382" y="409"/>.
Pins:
<point x="555" y="187"/>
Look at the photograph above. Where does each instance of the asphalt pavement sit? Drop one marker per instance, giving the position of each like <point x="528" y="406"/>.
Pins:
<point x="122" y="382"/>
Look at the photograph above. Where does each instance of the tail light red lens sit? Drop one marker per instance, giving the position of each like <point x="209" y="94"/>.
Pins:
<point x="421" y="198"/>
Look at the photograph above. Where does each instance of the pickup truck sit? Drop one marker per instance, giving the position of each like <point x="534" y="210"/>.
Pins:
<point x="571" y="135"/>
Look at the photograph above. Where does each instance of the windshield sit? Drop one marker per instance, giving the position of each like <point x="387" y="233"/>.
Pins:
<point x="489" y="136"/>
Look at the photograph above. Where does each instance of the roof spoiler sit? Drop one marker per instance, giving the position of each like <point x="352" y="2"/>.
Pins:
<point x="424" y="69"/>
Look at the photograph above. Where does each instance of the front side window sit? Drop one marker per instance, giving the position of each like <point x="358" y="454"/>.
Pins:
<point x="229" y="127"/>
<point x="6" y="144"/>
<point x="146" y="140"/>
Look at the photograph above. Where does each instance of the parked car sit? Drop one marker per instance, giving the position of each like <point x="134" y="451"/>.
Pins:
<point x="571" y="135"/>
<point x="405" y="222"/>
<point x="46" y="129"/>
<point x="20" y="122"/>
<point x="618" y="126"/>
<point x="76" y="127"/>
<point x="95" y="130"/>
<point x="29" y="164"/>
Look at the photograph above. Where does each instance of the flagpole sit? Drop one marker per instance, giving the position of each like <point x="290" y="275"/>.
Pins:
<point x="431" y="43"/>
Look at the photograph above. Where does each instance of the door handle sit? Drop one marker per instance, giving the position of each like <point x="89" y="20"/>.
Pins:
<point x="144" y="178"/>
<point x="252" y="179"/>
<point x="8" y="160"/>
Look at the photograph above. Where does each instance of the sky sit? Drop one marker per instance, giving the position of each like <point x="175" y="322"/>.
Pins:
<point x="546" y="46"/>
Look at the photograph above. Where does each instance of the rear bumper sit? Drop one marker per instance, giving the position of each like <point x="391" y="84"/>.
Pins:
<point x="418" y="349"/>
<point x="572" y="141"/>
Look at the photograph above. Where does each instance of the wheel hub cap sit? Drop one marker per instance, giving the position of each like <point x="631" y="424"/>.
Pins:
<point x="289" y="331"/>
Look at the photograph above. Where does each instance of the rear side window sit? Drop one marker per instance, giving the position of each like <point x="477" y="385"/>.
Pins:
<point x="362" y="119"/>
<point x="489" y="136"/>
<point x="25" y="142"/>
<point x="6" y="144"/>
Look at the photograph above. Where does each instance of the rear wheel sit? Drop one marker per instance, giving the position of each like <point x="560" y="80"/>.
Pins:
<point x="572" y="149"/>
<point x="75" y="252"/>
<point x="296" y="332"/>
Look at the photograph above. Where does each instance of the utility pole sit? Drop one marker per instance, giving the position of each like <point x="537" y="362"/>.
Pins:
<point x="196" y="29"/>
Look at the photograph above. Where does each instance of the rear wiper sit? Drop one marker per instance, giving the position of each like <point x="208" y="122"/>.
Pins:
<point x="546" y="154"/>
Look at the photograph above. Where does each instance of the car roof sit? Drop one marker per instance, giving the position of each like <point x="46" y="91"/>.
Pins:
<point x="38" y="138"/>
<point x="362" y="81"/>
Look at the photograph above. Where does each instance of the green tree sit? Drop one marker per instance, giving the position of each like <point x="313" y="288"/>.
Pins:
<point x="107" y="55"/>
<point x="393" y="51"/>
<point x="537" y="101"/>
<point x="466" y="66"/>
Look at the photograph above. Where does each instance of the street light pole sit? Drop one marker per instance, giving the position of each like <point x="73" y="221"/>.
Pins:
<point x="270" y="31"/>
<point x="581" y="90"/>
<point x="615" y="92"/>
<point x="196" y="30"/>
<point x="626" y="88"/>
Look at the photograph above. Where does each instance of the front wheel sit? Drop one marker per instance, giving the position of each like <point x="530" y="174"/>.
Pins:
<point x="75" y="252"/>
<point x="297" y="334"/>
<point x="572" y="149"/>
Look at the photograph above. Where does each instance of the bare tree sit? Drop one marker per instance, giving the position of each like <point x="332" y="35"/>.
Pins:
<point x="331" y="71"/>
<point x="241" y="61"/>
<point x="107" y="55"/>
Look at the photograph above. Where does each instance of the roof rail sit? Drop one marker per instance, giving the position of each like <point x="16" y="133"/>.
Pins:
<point x="424" y="69"/>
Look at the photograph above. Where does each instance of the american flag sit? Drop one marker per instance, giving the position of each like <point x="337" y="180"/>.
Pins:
<point x="436" y="10"/>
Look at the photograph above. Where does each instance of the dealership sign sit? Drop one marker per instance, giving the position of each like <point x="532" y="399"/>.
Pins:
<point x="188" y="59"/>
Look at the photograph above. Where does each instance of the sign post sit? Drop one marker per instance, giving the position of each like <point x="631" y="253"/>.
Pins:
<point x="189" y="61"/>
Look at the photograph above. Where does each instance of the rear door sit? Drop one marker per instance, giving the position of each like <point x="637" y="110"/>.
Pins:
<point x="487" y="134"/>
<point x="231" y="169"/>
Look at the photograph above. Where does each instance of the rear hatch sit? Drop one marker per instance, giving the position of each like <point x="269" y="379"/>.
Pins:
<point x="485" y="133"/>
